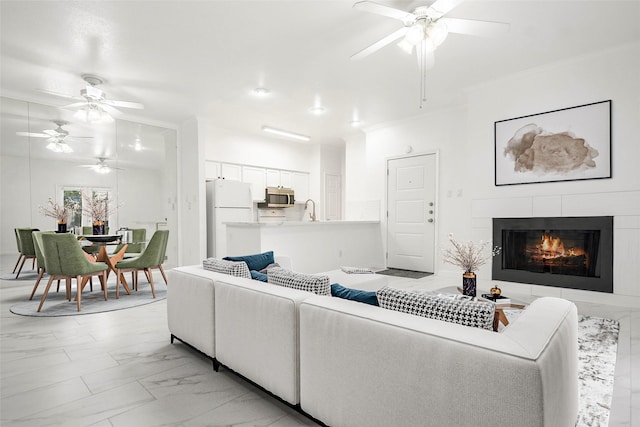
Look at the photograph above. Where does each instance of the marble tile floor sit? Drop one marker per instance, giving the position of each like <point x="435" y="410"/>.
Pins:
<point x="119" y="369"/>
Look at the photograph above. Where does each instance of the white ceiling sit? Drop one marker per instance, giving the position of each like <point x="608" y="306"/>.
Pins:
<point x="203" y="58"/>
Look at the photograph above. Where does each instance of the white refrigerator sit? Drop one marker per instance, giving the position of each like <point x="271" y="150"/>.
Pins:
<point x="227" y="201"/>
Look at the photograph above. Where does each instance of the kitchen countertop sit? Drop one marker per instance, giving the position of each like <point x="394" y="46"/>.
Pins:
<point x="297" y="223"/>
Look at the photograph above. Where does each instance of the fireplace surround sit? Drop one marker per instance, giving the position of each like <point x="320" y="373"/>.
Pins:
<point x="565" y="252"/>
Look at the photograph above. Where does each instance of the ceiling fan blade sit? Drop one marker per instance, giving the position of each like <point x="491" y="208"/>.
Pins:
<point x="33" y="135"/>
<point x="379" y="9"/>
<point x="123" y="104"/>
<point x="62" y="95"/>
<point x="76" y="105"/>
<point x="380" y="43"/>
<point x="109" y="109"/>
<point x="51" y="132"/>
<point x="441" y="7"/>
<point x="79" y="137"/>
<point x="475" y="28"/>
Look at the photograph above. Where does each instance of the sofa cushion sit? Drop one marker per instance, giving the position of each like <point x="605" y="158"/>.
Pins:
<point x="254" y="262"/>
<point x="232" y="268"/>
<point x="367" y="297"/>
<point x="434" y="306"/>
<point x="304" y="282"/>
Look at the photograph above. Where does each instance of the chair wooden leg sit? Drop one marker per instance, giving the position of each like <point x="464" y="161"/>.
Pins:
<point x="40" y="274"/>
<point x="67" y="282"/>
<point x="21" y="264"/>
<point x="164" y="276"/>
<point x="148" y="272"/>
<point x="46" y="292"/>
<point x="103" y="282"/>
<point x="91" y="284"/>
<point x="79" y="291"/>
<point x="118" y="273"/>
<point x="17" y="262"/>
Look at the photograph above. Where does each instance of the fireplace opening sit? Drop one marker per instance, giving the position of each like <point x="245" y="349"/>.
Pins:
<point x="569" y="252"/>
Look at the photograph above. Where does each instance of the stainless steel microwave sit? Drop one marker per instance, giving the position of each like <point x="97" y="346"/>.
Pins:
<point x="277" y="197"/>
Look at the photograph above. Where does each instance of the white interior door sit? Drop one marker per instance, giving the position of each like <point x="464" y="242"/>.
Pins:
<point x="332" y="197"/>
<point x="411" y="213"/>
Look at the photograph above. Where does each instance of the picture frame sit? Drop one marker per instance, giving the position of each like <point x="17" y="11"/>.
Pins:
<point x="567" y="144"/>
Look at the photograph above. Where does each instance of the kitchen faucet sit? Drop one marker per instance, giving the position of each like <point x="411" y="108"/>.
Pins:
<point x="312" y="215"/>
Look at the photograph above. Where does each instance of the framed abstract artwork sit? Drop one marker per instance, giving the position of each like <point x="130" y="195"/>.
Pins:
<point x="560" y="145"/>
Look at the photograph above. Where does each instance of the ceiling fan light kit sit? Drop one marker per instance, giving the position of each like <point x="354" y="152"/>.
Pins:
<point x="59" y="147"/>
<point x="425" y="29"/>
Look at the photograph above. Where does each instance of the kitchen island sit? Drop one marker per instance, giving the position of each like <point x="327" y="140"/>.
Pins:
<point x="312" y="246"/>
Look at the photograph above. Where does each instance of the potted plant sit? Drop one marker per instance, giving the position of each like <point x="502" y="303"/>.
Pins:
<point x="96" y="206"/>
<point x="59" y="211"/>
<point x="470" y="257"/>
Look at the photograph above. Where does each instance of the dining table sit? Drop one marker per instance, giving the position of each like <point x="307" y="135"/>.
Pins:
<point x="101" y="242"/>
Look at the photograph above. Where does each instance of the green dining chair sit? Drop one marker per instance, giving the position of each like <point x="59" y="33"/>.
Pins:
<point x="64" y="259"/>
<point x="26" y="247"/>
<point x="152" y="257"/>
<point x="134" y="249"/>
<point x="19" y="250"/>
<point x="37" y="244"/>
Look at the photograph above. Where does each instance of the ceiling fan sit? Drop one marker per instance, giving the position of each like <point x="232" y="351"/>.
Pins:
<point x="93" y="105"/>
<point x="56" y="137"/>
<point x="425" y="28"/>
<point x="101" y="166"/>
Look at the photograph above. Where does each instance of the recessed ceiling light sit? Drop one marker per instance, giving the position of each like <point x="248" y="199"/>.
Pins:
<point x="317" y="110"/>
<point x="286" y="133"/>
<point x="261" y="91"/>
<point x="355" y="123"/>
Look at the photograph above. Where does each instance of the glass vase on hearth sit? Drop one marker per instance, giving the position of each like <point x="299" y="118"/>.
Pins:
<point x="469" y="283"/>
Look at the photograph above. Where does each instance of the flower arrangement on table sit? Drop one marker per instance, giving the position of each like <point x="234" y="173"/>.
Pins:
<point x="470" y="257"/>
<point x="59" y="211"/>
<point x="96" y="206"/>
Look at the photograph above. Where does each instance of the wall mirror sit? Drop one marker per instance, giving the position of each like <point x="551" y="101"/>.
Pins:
<point x="134" y="164"/>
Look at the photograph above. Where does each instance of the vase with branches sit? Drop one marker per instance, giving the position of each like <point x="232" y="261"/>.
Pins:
<point x="470" y="257"/>
<point x="96" y="206"/>
<point x="59" y="211"/>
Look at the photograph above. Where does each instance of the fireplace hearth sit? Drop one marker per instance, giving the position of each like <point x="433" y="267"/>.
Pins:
<point x="566" y="252"/>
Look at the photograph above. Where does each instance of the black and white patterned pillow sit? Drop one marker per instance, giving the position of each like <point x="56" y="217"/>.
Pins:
<point x="233" y="268"/>
<point x="304" y="282"/>
<point x="466" y="312"/>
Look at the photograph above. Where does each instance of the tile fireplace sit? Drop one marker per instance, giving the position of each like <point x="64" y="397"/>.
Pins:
<point x="566" y="252"/>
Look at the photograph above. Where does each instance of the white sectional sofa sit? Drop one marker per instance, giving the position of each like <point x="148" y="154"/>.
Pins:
<point x="346" y="363"/>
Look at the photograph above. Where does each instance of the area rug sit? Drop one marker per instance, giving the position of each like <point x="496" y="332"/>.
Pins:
<point x="597" y="348"/>
<point x="25" y="274"/>
<point x="56" y="303"/>
<point x="404" y="273"/>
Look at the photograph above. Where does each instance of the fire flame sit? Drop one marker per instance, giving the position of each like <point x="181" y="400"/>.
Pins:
<point x="553" y="247"/>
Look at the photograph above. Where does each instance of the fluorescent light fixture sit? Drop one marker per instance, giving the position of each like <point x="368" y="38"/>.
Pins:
<point x="355" y="123"/>
<point x="286" y="133"/>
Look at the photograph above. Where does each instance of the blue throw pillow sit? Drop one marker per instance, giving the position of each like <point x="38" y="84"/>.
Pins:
<point x="254" y="262"/>
<point x="256" y="275"/>
<point x="367" y="297"/>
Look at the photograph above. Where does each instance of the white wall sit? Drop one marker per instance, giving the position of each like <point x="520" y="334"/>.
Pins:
<point x="464" y="138"/>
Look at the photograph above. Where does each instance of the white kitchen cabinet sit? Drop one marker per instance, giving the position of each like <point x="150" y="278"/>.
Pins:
<point x="278" y="178"/>
<point x="257" y="177"/>
<point x="300" y="185"/>
<point x="273" y="178"/>
<point x="285" y="179"/>
<point x="231" y="171"/>
<point x="211" y="170"/>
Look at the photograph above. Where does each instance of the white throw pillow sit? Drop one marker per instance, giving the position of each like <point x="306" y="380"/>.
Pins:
<point x="304" y="282"/>
<point x="233" y="268"/>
